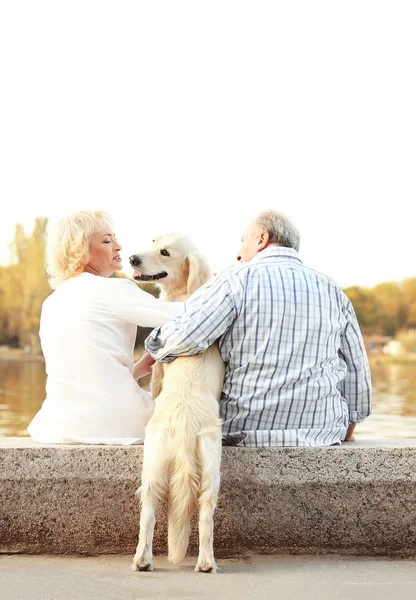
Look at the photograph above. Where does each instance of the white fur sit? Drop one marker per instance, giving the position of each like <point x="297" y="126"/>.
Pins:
<point x="182" y="450"/>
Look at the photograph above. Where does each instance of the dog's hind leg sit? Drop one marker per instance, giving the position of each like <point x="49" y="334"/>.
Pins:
<point x="154" y="485"/>
<point x="209" y="450"/>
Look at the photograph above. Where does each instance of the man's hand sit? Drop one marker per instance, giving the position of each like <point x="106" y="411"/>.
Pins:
<point x="143" y="366"/>
<point x="348" y="436"/>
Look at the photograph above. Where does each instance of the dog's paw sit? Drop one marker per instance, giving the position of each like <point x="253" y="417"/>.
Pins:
<point x="206" y="567"/>
<point x="142" y="564"/>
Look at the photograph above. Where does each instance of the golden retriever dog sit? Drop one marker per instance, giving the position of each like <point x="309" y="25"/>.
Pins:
<point x="182" y="449"/>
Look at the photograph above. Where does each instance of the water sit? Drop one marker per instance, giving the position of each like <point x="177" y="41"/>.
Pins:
<point x="394" y="401"/>
<point x="22" y="391"/>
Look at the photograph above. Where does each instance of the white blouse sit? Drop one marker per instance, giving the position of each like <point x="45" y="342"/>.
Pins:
<point x="88" y="331"/>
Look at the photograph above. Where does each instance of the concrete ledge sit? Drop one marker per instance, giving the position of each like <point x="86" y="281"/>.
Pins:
<point x="358" y="498"/>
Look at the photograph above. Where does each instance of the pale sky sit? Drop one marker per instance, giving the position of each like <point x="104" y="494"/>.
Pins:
<point x="194" y="116"/>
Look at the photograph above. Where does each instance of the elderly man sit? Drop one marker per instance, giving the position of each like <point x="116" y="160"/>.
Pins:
<point x="296" y="369"/>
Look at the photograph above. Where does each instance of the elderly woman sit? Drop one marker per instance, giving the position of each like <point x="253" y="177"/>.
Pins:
<point x="87" y="330"/>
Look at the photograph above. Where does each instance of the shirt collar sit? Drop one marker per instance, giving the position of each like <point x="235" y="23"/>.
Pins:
<point x="277" y="252"/>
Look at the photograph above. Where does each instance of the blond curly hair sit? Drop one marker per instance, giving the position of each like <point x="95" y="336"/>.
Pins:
<point x="68" y="244"/>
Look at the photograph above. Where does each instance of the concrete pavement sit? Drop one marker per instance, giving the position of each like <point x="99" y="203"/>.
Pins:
<point x="108" y="577"/>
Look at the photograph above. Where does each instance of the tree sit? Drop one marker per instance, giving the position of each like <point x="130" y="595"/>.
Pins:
<point x="409" y="297"/>
<point x="394" y="310"/>
<point x="367" y="308"/>
<point x="387" y="308"/>
<point x="24" y="286"/>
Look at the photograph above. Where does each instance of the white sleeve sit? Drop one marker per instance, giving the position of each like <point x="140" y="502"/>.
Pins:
<point x="133" y="305"/>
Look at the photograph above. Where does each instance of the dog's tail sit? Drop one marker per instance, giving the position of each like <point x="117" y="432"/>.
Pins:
<point x="183" y="493"/>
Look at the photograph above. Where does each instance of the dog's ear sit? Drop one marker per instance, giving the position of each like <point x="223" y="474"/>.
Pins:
<point x="199" y="272"/>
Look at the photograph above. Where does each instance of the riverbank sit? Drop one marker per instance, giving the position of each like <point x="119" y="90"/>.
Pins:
<point x="18" y="354"/>
<point x="388" y="359"/>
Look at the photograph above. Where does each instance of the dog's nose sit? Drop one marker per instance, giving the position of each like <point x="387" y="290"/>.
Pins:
<point x="135" y="261"/>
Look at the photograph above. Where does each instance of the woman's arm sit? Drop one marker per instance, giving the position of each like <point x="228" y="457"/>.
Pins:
<point x="143" y="366"/>
<point x="133" y="305"/>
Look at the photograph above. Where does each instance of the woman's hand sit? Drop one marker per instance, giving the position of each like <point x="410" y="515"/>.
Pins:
<point x="143" y="366"/>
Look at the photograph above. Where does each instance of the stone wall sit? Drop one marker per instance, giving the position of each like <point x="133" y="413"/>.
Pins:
<point x="358" y="498"/>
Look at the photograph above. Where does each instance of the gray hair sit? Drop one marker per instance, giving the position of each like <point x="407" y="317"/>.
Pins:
<point x="281" y="231"/>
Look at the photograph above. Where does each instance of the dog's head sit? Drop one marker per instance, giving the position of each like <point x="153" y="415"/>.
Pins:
<point x="174" y="263"/>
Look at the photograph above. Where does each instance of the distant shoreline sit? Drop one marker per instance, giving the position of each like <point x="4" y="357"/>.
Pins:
<point x="20" y="355"/>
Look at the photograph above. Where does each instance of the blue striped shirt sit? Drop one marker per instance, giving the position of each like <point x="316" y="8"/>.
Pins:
<point x="296" y="370"/>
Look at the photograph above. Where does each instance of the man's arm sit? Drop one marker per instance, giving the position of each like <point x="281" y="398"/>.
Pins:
<point x="350" y="431"/>
<point x="356" y="387"/>
<point x="209" y="313"/>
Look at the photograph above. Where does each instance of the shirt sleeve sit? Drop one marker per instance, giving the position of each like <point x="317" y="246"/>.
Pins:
<point x="209" y="313"/>
<point x="133" y="305"/>
<point x="356" y="387"/>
